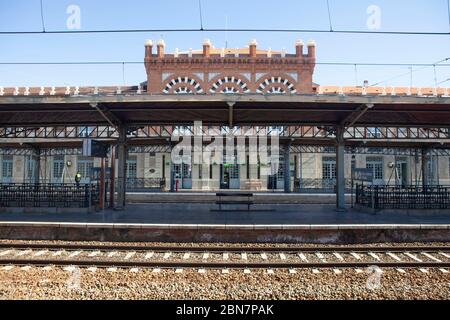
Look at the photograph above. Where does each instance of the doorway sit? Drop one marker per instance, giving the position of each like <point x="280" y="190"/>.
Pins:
<point x="229" y="176"/>
<point x="183" y="173"/>
<point x="402" y="173"/>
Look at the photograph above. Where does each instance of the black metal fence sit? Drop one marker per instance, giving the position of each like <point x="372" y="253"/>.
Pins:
<point x="48" y="195"/>
<point x="319" y="185"/>
<point x="398" y="197"/>
<point x="145" y="184"/>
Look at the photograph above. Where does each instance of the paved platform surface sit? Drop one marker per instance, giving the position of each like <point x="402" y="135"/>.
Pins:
<point x="194" y="214"/>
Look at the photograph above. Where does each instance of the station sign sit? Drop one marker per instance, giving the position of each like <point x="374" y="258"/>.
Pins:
<point x="362" y="174"/>
<point x="93" y="148"/>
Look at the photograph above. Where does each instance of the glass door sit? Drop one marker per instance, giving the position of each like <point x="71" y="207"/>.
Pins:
<point x="7" y="169"/>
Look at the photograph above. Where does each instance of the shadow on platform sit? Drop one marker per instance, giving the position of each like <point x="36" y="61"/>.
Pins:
<point x="194" y="213"/>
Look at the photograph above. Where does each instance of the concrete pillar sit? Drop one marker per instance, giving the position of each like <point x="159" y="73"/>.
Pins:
<point x="287" y="168"/>
<point x="425" y="171"/>
<point x="121" y="167"/>
<point x="340" y="170"/>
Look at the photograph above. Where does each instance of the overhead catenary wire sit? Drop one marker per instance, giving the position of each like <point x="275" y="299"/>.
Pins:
<point x="353" y="64"/>
<point x="242" y="30"/>
<point x="448" y="11"/>
<point x="410" y="72"/>
<point x="200" y="13"/>
<point x="202" y="29"/>
<point x="42" y="16"/>
<point x="329" y="15"/>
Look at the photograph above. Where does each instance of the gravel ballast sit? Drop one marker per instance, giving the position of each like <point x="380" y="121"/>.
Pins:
<point x="57" y="283"/>
<point x="131" y="283"/>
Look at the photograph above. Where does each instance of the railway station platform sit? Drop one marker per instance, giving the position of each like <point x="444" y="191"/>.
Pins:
<point x="206" y="213"/>
<point x="195" y="222"/>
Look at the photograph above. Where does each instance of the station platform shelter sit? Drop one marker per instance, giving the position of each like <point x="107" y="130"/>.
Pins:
<point x="316" y="134"/>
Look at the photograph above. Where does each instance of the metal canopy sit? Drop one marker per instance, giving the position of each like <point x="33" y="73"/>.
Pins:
<point x="252" y="109"/>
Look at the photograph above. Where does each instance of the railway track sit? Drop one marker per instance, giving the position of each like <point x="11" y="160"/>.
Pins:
<point x="220" y="257"/>
<point x="67" y="246"/>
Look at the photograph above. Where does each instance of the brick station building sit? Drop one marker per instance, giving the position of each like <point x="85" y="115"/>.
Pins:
<point x="210" y="71"/>
<point x="244" y="70"/>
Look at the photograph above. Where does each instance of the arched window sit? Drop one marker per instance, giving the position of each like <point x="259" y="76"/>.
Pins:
<point x="182" y="90"/>
<point x="276" y="85"/>
<point x="185" y="85"/>
<point x="229" y="85"/>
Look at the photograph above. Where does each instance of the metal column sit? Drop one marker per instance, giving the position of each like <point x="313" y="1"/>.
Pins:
<point x="37" y="166"/>
<point x="425" y="171"/>
<point x="112" y="178"/>
<point x="171" y="172"/>
<point x="287" y="168"/>
<point x="121" y="167"/>
<point x="340" y="170"/>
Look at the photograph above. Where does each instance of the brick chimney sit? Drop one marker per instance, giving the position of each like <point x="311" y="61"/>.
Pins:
<point x="148" y="48"/>
<point x="311" y="49"/>
<point x="252" y="48"/>
<point x="160" y="48"/>
<point x="298" y="48"/>
<point x="206" y="48"/>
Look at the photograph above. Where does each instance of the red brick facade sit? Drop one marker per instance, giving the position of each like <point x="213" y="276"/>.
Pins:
<point x="245" y="70"/>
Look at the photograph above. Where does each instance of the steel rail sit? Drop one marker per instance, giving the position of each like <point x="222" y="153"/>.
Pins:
<point x="55" y="246"/>
<point x="216" y="265"/>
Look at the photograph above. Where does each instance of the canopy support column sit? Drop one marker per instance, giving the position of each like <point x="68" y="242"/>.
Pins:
<point x="340" y="169"/>
<point x="121" y="167"/>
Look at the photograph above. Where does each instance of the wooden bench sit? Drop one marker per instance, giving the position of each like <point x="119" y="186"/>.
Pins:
<point x="243" y="198"/>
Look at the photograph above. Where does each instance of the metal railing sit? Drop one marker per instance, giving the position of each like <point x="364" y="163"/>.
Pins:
<point x="145" y="184"/>
<point x="319" y="185"/>
<point x="57" y="195"/>
<point x="398" y="197"/>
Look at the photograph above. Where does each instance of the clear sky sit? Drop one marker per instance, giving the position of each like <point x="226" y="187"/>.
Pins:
<point x="398" y="15"/>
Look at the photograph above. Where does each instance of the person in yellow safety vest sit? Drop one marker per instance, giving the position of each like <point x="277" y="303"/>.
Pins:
<point x="78" y="178"/>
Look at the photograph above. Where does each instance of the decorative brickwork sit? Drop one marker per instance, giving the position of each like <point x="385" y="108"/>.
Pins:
<point x="242" y="70"/>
